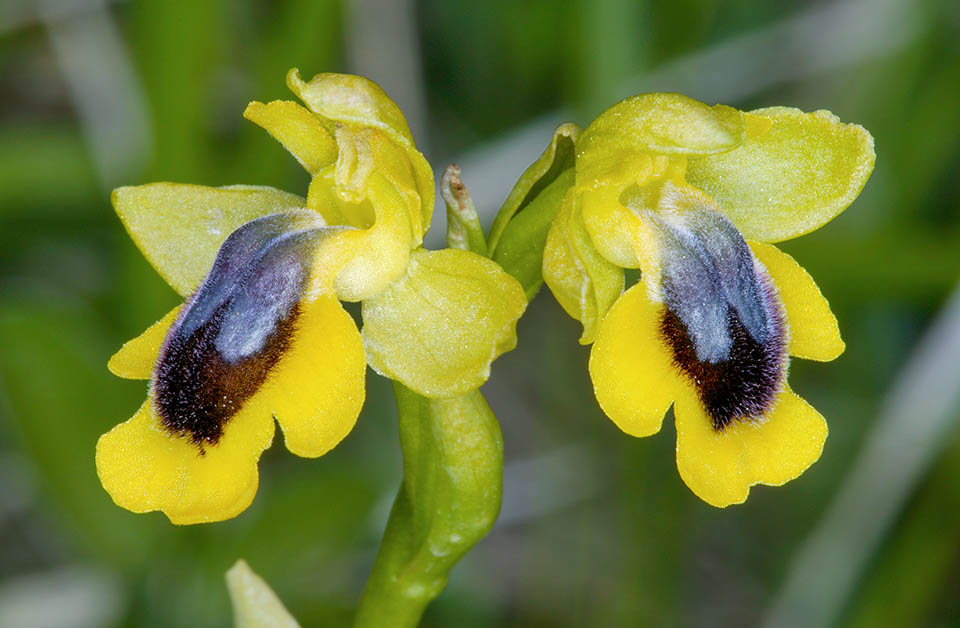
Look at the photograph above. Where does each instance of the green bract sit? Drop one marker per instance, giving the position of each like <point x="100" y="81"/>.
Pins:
<point x="519" y="232"/>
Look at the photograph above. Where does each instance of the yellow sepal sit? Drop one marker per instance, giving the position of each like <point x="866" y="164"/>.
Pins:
<point x="584" y="283"/>
<point x="136" y="357"/>
<point x="814" y="332"/>
<point x="180" y="227"/>
<point x="440" y="326"/>
<point x="631" y="368"/>
<point x="663" y="124"/>
<point x="792" y="179"/>
<point x="720" y="467"/>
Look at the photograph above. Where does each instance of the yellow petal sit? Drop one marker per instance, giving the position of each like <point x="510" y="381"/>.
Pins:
<point x="136" y="357"/>
<point x="144" y="467"/>
<point x="612" y="204"/>
<point x="301" y="132"/>
<point x="611" y="226"/>
<point x="632" y="370"/>
<point x="584" y="283"/>
<point x="720" y="467"/>
<point x="439" y="327"/>
<point x="372" y="188"/>
<point x="180" y="227"/>
<point x="801" y="173"/>
<point x="814" y="333"/>
<point x="391" y="163"/>
<point x="316" y="390"/>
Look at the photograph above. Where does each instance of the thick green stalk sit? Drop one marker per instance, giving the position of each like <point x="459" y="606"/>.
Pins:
<point x="449" y="500"/>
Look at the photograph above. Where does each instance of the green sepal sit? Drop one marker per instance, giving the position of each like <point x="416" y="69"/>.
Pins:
<point x="793" y="178"/>
<point x="180" y="227"/>
<point x="520" y="250"/>
<point x="558" y="157"/>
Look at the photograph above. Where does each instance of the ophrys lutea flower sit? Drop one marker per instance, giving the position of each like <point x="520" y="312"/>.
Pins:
<point x="262" y="334"/>
<point x="693" y="196"/>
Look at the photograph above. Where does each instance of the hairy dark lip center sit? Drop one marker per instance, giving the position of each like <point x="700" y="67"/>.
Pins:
<point x="197" y="390"/>
<point x="744" y="386"/>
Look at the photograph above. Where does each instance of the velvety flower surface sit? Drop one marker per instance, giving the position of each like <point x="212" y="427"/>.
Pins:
<point x="693" y="196"/>
<point x="262" y="335"/>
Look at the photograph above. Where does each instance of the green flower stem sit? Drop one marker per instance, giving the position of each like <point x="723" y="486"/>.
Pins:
<point x="449" y="500"/>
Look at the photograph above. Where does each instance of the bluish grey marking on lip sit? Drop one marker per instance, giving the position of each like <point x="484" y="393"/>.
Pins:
<point x="707" y="270"/>
<point x="239" y="249"/>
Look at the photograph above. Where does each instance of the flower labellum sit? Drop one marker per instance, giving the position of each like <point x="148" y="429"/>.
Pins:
<point x="236" y="327"/>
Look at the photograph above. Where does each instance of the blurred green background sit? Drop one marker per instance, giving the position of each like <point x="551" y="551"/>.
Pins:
<point x="597" y="528"/>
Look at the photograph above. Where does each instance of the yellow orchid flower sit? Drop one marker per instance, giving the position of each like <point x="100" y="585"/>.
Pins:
<point x="693" y="196"/>
<point x="262" y="334"/>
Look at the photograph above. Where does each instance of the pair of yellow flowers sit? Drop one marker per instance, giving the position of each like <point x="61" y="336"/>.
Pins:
<point x="689" y="194"/>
